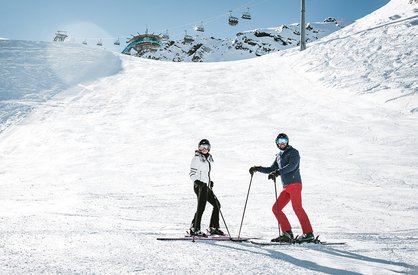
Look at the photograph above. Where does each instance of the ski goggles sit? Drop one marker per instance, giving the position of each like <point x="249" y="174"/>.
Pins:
<point x="204" y="146"/>
<point x="282" y="141"/>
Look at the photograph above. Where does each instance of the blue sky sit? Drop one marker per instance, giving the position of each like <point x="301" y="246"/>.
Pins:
<point x="109" y="19"/>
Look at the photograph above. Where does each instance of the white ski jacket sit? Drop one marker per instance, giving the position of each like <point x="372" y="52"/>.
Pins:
<point x="200" y="167"/>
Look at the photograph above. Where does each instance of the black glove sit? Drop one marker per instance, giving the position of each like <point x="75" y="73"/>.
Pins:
<point x="274" y="174"/>
<point x="211" y="184"/>
<point x="254" y="169"/>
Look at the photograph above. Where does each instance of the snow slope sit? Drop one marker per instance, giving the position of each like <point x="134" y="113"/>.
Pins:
<point x="33" y="72"/>
<point x="376" y="57"/>
<point x="94" y="175"/>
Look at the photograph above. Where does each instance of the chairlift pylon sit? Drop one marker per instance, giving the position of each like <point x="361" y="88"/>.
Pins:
<point x="232" y="20"/>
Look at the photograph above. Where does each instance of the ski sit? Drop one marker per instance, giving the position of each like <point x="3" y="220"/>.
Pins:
<point x="189" y="237"/>
<point x="314" y="241"/>
<point x="208" y="238"/>
<point x="265" y="243"/>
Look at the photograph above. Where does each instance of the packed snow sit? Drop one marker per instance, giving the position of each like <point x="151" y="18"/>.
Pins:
<point x="375" y="57"/>
<point x="98" y="169"/>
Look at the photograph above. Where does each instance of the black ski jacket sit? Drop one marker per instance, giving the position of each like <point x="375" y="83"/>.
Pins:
<point x="287" y="162"/>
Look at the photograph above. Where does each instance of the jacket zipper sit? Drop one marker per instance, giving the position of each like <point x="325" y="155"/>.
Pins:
<point x="210" y="167"/>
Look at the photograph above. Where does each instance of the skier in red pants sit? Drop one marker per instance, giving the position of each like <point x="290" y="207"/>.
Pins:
<point x="286" y="165"/>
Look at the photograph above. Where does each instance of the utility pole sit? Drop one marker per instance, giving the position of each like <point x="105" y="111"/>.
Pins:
<point x="302" y="25"/>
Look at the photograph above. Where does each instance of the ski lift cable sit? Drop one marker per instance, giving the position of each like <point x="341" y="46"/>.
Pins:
<point x="191" y="25"/>
<point x="209" y="20"/>
<point x="250" y="4"/>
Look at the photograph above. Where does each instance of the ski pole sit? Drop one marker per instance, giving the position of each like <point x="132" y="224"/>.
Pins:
<point x="277" y="205"/>
<point x="219" y="207"/>
<point x="245" y="206"/>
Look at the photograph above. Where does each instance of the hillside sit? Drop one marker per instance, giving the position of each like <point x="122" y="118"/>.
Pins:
<point x="34" y="72"/>
<point x="375" y="58"/>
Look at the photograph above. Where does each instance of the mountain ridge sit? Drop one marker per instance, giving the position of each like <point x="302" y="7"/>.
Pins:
<point x="244" y="45"/>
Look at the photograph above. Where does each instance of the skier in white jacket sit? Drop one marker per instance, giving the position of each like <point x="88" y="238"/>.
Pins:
<point x="200" y="168"/>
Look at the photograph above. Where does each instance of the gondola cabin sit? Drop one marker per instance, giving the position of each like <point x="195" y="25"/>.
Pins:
<point x="200" y="28"/>
<point x="60" y="36"/>
<point x="246" y="15"/>
<point x="232" y="20"/>
<point x="188" y="38"/>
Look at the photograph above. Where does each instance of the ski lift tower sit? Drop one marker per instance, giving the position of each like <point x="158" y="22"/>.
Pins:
<point x="60" y="36"/>
<point x="302" y="26"/>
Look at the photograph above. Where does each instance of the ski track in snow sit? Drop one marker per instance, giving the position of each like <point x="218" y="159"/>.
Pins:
<point x="95" y="174"/>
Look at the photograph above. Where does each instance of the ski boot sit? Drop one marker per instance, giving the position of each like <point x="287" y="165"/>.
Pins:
<point x="306" y="238"/>
<point x="215" y="231"/>
<point x="286" y="237"/>
<point x="197" y="233"/>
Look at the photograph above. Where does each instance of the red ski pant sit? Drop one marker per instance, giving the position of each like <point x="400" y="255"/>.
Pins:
<point x="293" y="193"/>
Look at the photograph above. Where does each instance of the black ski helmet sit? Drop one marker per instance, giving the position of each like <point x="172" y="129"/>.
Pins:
<point x="204" y="142"/>
<point x="282" y="135"/>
